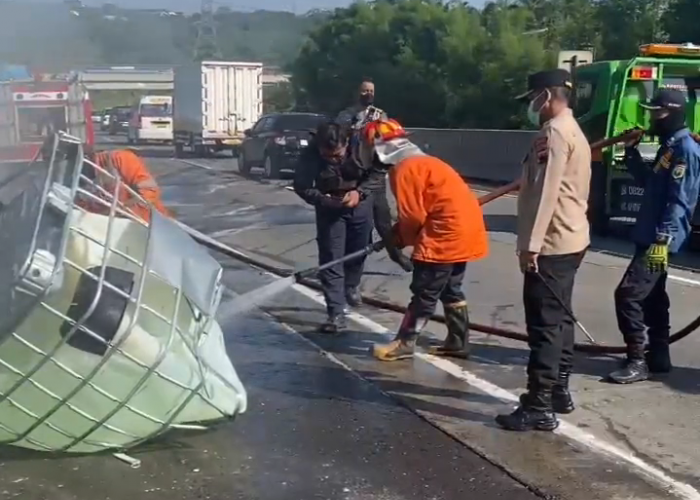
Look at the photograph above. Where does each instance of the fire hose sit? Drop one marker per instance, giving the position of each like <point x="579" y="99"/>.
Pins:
<point x="304" y="277"/>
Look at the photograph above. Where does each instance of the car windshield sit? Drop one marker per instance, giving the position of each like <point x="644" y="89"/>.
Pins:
<point x="298" y="122"/>
<point x="155" y="110"/>
<point x="122" y="113"/>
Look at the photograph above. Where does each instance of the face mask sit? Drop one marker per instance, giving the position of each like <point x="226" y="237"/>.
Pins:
<point x="366" y="99"/>
<point x="668" y="125"/>
<point x="533" y="115"/>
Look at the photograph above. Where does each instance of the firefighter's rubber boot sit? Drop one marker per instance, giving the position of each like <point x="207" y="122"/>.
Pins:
<point x="658" y="358"/>
<point x="635" y="368"/>
<point x="456" y="344"/>
<point x="535" y="413"/>
<point x="335" y="323"/>
<point x="353" y="297"/>
<point x="404" y="344"/>
<point x="562" y="402"/>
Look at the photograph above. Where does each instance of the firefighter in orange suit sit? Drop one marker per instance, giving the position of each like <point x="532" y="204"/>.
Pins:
<point x="127" y="166"/>
<point x="440" y="217"/>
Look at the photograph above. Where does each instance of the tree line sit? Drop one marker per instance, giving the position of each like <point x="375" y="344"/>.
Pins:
<point x="70" y="35"/>
<point x="449" y="65"/>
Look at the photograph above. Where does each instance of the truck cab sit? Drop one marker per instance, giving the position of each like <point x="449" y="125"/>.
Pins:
<point x="606" y="103"/>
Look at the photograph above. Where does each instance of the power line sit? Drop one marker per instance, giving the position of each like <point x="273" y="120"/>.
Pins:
<point x="206" y="46"/>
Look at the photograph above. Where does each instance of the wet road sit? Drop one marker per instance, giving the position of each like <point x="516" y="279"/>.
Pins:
<point x="324" y="416"/>
<point x="314" y="430"/>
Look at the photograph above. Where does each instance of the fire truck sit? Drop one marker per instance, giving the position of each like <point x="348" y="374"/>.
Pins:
<point x="33" y="108"/>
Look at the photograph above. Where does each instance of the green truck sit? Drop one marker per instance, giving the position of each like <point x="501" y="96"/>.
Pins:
<point x="606" y="103"/>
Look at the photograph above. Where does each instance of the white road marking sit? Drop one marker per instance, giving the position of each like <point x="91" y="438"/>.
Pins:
<point x="195" y="164"/>
<point x="679" y="489"/>
<point x="231" y="232"/>
<point x="672" y="277"/>
<point x="681" y="279"/>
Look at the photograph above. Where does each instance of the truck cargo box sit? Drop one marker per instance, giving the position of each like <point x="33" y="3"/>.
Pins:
<point x="213" y="103"/>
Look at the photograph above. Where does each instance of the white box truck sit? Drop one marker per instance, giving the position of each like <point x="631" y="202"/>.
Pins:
<point x="213" y="103"/>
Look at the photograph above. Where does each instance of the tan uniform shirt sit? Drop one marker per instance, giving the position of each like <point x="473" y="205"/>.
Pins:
<point x="553" y="198"/>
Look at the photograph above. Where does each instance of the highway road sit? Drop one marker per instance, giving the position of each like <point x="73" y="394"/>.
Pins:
<point x="326" y="421"/>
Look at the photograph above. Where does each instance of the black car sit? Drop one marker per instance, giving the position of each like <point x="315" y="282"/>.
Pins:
<point x="276" y="141"/>
<point x="119" y="120"/>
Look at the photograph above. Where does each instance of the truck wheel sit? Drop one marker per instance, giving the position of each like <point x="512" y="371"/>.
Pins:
<point x="243" y="164"/>
<point x="199" y="151"/>
<point x="179" y="150"/>
<point x="270" y="169"/>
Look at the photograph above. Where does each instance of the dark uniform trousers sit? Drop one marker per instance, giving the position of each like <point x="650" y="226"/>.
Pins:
<point x="550" y="330"/>
<point x="338" y="233"/>
<point x="641" y="302"/>
<point x="433" y="282"/>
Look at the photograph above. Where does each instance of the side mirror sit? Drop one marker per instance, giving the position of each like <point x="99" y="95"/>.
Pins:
<point x="248" y="132"/>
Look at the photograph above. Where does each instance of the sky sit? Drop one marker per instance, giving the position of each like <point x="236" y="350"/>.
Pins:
<point x="298" y="6"/>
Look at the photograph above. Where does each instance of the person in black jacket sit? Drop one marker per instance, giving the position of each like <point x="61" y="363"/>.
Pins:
<point x="342" y="193"/>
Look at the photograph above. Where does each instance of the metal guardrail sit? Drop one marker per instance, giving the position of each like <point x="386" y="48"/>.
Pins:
<point x="487" y="155"/>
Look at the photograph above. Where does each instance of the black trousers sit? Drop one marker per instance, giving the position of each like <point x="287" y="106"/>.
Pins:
<point x="433" y="282"/>
<point x="642" y="304"/>
<point x="550" y="330"/>
<point x="338" y="233"/>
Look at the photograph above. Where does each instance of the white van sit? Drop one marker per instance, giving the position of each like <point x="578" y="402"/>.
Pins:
<point x="152" y="120"/>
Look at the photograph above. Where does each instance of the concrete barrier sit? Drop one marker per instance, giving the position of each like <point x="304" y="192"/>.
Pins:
<point x="487" y="155"/>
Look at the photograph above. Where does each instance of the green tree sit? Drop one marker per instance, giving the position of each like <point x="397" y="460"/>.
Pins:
<point x="627" y="24"/>
<point x="434" y="64"/>
<point x="680" y="21"/>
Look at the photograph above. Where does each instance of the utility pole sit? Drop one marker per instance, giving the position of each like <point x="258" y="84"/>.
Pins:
<point x="206" y="46"/>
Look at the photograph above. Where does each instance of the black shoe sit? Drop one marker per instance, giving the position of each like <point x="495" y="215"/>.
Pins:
<point x="635" y="370"/>
<point x="335" y="323"/>
<point x="534" y="414"/>
<point x="658" y="359"/>
<point x="353" y="297"/>
<point x="562" y="402"/>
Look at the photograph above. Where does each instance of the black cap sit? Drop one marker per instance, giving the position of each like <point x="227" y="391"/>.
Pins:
<point x="670" y="99"/>
<point x="546" y="79"/>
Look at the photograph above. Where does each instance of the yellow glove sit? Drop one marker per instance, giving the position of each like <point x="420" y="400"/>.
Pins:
<point x="657" y="258"/>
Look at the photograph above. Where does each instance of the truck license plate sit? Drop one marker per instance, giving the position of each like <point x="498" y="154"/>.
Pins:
<point x="625" y="198"/>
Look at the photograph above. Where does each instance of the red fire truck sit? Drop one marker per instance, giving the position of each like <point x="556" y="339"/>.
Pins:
<point x="30" y="110"/>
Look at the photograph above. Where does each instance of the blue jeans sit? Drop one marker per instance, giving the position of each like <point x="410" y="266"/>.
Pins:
<point x="340" y="232"/>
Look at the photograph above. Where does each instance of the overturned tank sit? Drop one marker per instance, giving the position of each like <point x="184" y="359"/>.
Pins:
<point x="107" y="328"/>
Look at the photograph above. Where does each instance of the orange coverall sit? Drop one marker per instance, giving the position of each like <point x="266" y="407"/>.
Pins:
<point x="438" y="214"/>
<point x="134" y="173"/>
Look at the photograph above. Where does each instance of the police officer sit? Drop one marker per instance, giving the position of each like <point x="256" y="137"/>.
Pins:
<point x="663" y="224"/>
<point x="553" y="235"/>
<point x="328" y="179"/>
<point x="364" y="111"/>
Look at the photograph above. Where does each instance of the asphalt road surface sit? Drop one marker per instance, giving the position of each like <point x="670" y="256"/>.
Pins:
<point x="327" y="421"/>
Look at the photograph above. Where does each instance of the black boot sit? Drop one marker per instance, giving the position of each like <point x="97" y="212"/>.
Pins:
<point x="534" y="413"/>
<point x="335" y="323"/>
<point x="561" y="396"/>
<point x="353" y="297"/>
<point x="404" y="344"/>
<point x="635" y="367"/>
<point x="658" y="355"/>
<point x="456" y="344"/>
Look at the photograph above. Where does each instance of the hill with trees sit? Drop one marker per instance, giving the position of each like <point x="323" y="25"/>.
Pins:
<point x="67" y="36"/>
